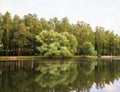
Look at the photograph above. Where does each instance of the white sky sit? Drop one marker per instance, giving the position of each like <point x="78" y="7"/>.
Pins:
<point x="104" y="13"/>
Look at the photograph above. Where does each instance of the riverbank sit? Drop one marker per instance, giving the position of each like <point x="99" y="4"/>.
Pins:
<point x="2" y="58"/>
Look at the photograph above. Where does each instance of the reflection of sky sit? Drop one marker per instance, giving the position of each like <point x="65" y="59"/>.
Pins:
<point x="112" y="87"/>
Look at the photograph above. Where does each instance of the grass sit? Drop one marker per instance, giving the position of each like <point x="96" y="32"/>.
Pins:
<point x="3" y="58"/>
<point x="19" y="57"/>
<point x="82" y="56"/>
<point x="29" y="57"/>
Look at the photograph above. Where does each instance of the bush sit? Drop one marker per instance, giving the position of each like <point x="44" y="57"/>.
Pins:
<point x="56" y="44"/>
<point x="88" y="49"/>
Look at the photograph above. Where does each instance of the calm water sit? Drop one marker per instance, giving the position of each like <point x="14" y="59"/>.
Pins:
<point x="60" y="76"/>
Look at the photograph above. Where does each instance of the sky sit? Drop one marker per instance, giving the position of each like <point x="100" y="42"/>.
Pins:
<point x="105" y="13"/>
<point x="111" y="87"/>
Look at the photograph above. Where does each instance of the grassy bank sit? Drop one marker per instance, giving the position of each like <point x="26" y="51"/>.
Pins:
<point x="2" y="58"/>
<point x="30" y="57"/>
<point x="82" y="56"/>
<point x="19" y="57"/>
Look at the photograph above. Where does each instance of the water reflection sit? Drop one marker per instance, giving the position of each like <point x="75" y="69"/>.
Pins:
<point x="59" y="76"/>
<point x="52" y="74"/>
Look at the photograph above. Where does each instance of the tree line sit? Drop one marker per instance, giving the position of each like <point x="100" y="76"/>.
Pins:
<point x="21" y="36"/>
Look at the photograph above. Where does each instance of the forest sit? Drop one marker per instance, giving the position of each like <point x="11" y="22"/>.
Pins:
<point x="31" y="35"/>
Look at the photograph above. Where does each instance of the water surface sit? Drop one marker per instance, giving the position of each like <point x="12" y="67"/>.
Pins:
<point x="86" y="75"/>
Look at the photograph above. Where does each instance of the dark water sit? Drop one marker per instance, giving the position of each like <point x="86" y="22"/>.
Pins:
<point x="60" y="76"/>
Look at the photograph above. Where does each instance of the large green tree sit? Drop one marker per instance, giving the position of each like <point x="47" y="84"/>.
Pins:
<point x="52" y="43"/>
<point x="21" y="38"/>
<point x="6" y="24"/>
<point x="1" y="34"/>
<point x="15" y="28"/>
<point x="33" y="25"/>
<point x="83" y="32"/>
<point x="88" y="49"/>
<point x="106" y="42"/>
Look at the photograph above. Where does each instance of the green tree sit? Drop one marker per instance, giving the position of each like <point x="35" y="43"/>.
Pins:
<point x="106" y="42"/>
<point x="21" y="37"/>
<point x="15" y="27"/>
<point x="83" y="32"/>
<point x="44" y="24"/>
<point x="32" y="23"/>
<point x="52" y="43"/>
<point x="33" y="26"/>
<point x="1" y="33"/>
<point x="100" y="40"/>
<point x="6" y="31"/>
<point x="88" y="49"/>
<point x="65" y="25"/>
<point x="1" y="36"/>
<point x="55" y="24"/>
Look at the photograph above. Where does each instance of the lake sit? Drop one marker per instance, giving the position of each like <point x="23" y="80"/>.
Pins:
<point x="69" y="75"/>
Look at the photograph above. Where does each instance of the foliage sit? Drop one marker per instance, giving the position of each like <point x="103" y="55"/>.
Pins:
<point x="106" y="42"/>
<point x="19" y="35"/>
<point x="56" y="44"/>
<point x="83" y="32"/>
<point x="88" y="49"/>
<point x="6" y="26"/>
<point x="1" y="31"/>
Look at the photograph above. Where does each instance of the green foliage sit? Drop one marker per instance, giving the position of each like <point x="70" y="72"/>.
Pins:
<point x="20" y="34"/>
<point x="88" y="49"/>
<point x="6" y="26"/>
<point x="83" y="32"/>
<point x="1" y="34"/>
<point x="56" y="44"/>
<point x="106" y="42"/>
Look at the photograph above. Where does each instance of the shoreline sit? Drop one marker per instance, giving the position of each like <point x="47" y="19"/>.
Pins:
<point x="13" y="58"/>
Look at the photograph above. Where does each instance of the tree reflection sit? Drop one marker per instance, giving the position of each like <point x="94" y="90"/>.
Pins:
<point x="16" y="76"/>
<point x="89" y="67"/>
<point x="100" y="72"/>
<point x="57" y="76"/>
<point x="56" y="73"/>
<point x="106" y="72"/>
<point x="21" y="77"/>
<point x="85" y="77"/>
